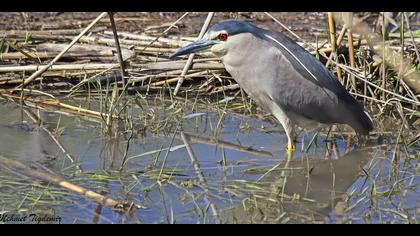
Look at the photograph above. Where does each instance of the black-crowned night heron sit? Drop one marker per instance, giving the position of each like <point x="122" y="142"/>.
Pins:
<point x="282" y="77"/>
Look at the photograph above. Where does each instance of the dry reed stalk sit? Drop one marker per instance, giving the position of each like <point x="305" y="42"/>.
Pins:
<point x="154" y="50"/>
<point x="173" y="80"/>
<point x="125" y="43"/>
<point x="93" y="119"/>
<point x="64" y="74"/>
<point x="225" y="88"/>
<point x="79" y="47"/>
<point x="44" y="55"/>
<point x="104" y="21"/>
<point x="96" y="39"/>
<point x="401" y="71"/>
<point x="145" y="40"/>
<point x="42" y="33"/>
<point x="383" y="56"/>
<point x="153" y="61"/>
<point x="118" y="47"/>
<point x="331" y="27"/>
<point x="92" y="66"/>
<point x="339" y="40"/>
<point x="165" y="74"/>
<point x="176" y="65"/>
<point x="56" y="103"/>
<point x="191" y="56"/>
<point x="22" y="169"/>
<point x="351" y="56"/>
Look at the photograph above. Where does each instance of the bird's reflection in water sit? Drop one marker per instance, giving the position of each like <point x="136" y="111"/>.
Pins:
<point x="303" y="190"/>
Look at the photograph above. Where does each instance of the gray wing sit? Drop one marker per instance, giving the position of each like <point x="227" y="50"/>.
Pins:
<point x="306" y="87"/>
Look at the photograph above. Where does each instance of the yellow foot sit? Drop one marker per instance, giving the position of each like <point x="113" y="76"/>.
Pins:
<point x="290" y="148"/>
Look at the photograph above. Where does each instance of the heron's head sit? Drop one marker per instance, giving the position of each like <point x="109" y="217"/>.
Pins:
<point x="221" y="39"/>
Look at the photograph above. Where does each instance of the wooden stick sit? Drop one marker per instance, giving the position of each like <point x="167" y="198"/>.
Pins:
<point x="191" y="57"/>
<point x="45" y="68"/>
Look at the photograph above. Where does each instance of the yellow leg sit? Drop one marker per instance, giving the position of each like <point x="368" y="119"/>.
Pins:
<point x="287" y="125"/>
<point x="291" y="139"/>
<point x="290" y="147"/>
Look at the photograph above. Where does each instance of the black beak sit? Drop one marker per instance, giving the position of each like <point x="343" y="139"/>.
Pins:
<point x="196" y="46"/>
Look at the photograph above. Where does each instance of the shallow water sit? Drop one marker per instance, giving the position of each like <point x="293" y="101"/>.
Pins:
<point x="358" y="180"/>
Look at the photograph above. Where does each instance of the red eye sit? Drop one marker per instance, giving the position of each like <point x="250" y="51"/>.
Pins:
<point x="222" y="37"/>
